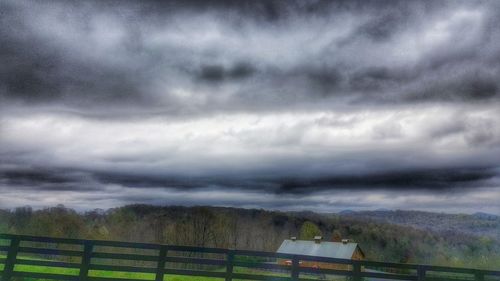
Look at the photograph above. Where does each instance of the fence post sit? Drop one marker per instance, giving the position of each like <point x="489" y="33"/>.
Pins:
<point x="356" y="271"/>
<point x="11" y="259"/>
<point x="421" y="273"/>
<point x="160" y="268"/>
<point x="295" y="268"/>
<point x="479" y="276"/>
<point x="229" y="266"/>
<point x="86" y="257"/>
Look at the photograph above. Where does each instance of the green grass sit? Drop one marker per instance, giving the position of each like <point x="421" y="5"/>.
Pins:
<point x="127" y="275"/>
<point x="133" y="275"/>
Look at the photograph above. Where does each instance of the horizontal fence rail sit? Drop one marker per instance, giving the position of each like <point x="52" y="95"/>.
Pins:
<point x="75" y="259"/>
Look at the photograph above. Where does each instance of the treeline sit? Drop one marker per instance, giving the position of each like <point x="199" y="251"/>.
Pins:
<point x="254" y="230"/>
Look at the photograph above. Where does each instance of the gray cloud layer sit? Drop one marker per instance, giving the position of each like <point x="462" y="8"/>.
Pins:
<point x="276" y="97"/>
<point x="247" y="56"/>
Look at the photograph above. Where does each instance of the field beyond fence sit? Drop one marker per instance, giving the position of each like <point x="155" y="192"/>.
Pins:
<point x="33" y="257"/>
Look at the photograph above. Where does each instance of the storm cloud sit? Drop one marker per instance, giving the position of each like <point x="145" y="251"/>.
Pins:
<point x="282" y="102"/>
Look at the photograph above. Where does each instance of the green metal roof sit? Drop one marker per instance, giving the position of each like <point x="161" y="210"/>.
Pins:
<point x="336" y="250"/>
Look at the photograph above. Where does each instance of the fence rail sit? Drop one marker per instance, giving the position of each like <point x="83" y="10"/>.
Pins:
<point x="90" y="258"/>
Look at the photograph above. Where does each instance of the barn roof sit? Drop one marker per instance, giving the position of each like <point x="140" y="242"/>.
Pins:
<point x="336" y="250"/>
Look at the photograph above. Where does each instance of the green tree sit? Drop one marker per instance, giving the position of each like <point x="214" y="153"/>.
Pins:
<point x="21" y="219"/>
<point x="308" y="230"/>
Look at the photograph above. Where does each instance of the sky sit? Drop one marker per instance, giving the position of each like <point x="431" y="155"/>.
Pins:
<point x="290" y="105"/>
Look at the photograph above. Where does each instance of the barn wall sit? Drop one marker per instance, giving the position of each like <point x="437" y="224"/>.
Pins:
<point x="322" y="265"/>
<point x="358" y="255"/>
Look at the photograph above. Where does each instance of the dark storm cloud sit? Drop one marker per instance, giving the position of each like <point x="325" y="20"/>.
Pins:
<point x="436" y="179"/>
<point x="376" y="78"/>
<point x="466" y="87"/>
<point x="431" y="180"/>
<point x="23" y="177"/>
<point x="282" y="177"/>
<point x="217" y="73"/>
<point x="382" y="27"/>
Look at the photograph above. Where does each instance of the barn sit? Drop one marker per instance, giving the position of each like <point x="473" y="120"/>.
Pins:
<point x="338" y="250"/>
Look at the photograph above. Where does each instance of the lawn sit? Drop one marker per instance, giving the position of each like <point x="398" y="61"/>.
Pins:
<point x="129" y="275"/>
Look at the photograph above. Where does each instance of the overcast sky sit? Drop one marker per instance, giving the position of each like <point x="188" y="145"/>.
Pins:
<point x="294" y="105"/>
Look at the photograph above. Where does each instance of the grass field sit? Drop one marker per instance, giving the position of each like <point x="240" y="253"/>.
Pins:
<point x="128" y="275"/>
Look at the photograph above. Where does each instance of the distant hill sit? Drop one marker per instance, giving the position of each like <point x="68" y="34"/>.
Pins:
<point x="481" y="215"/>
<point x="478" y="224"/>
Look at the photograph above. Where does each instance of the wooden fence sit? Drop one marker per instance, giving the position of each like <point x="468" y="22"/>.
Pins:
<point x="85" y="256"/>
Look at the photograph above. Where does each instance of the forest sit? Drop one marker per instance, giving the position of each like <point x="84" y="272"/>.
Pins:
<point x="257" y="229"/>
